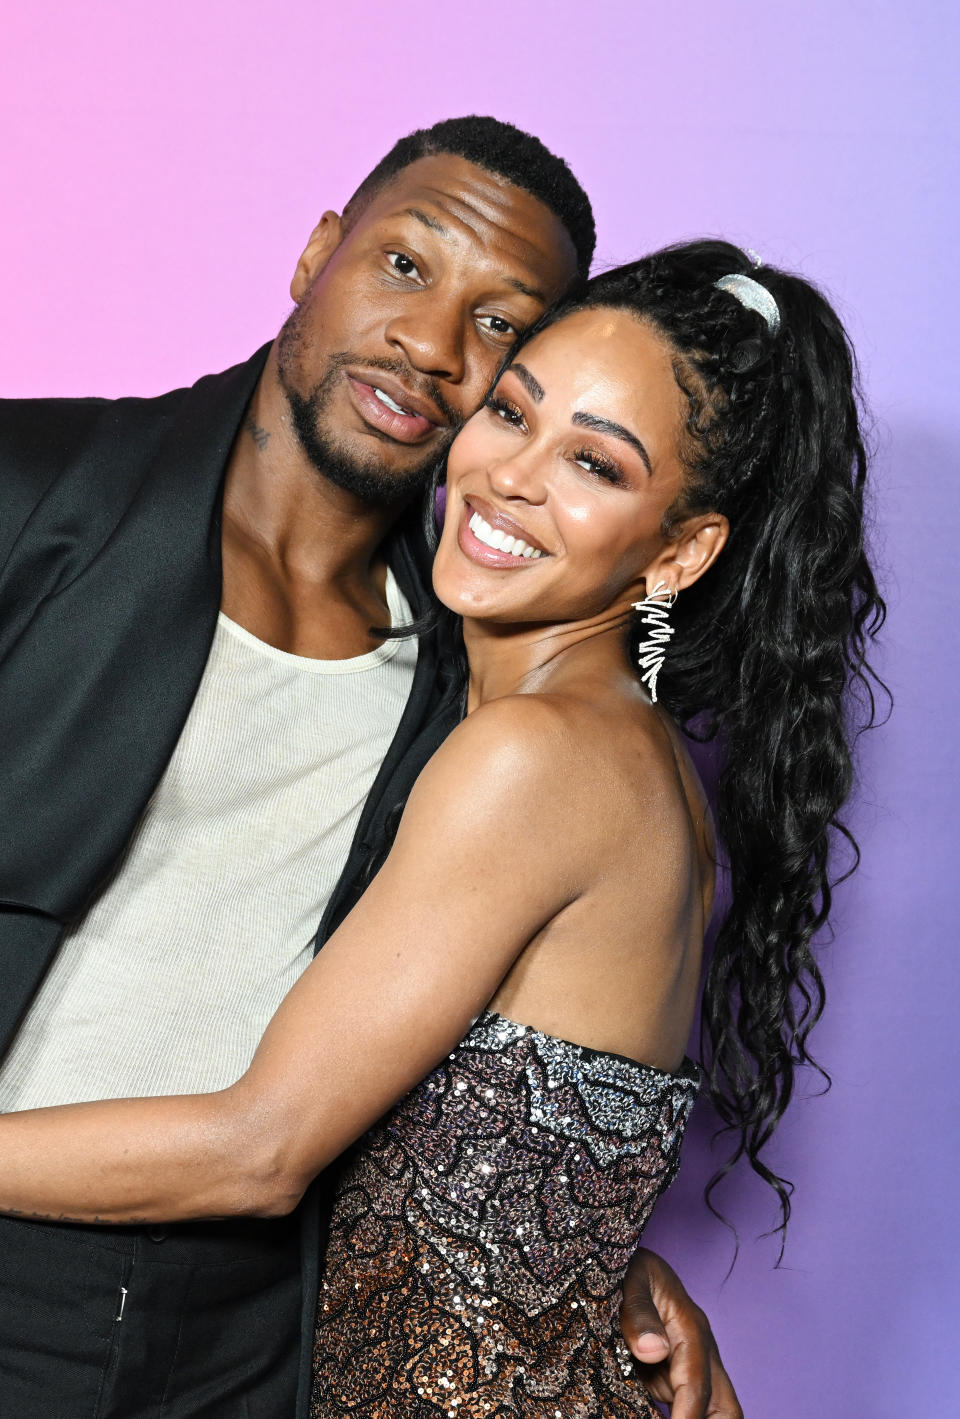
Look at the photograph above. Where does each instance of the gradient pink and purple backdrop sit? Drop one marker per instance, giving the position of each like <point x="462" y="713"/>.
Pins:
<point x="160" y="169"/>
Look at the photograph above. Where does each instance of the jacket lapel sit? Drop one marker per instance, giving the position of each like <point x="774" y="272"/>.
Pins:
<point x="110" y="599"/>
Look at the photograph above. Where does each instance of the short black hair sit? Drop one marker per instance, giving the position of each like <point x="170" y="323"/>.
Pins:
<point x="503" y="150"/>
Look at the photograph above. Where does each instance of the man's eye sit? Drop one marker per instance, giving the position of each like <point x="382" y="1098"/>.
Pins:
<point x="403" y="264"/>
<point x="498" y="326"/>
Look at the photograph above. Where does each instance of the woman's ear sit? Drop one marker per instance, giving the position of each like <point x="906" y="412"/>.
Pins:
<point x="692" y="551"/>
<point x="324" y="240"/>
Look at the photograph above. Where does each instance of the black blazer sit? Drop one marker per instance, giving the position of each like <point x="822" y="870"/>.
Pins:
<point x="110" y="585"/>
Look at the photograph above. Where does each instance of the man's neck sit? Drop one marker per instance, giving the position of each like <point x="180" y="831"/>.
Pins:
<point x="302" y="567"/>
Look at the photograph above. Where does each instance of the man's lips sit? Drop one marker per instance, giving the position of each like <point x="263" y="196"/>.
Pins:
<point x="410" y="426"/>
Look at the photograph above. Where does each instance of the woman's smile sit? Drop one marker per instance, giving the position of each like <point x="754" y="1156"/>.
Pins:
<point x="492" y="539"/>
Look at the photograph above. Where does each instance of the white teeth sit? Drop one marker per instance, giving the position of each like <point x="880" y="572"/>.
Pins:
<point x="495" y="537"/>
<point x="390" y="403"/>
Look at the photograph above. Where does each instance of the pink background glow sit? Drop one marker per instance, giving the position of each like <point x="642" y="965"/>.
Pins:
<point x="161" y="167"/>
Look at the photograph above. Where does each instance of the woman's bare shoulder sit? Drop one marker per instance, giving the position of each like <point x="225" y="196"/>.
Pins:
<point x="536" y="734"/>
<point x="506" y="753"/>
<point x="491" y="802"/>
<point x="532" y="745"/>
<point x="532" y="727"/>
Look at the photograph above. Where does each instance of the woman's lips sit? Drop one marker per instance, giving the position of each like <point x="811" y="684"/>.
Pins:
<point x="478" y="551"/>
<point x="405" y="428"/>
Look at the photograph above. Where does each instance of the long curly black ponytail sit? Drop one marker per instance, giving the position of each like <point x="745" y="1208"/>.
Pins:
<point x="770" y="650"/>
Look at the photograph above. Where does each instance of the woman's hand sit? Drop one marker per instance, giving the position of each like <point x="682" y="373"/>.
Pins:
<point x="670" y="1336"/>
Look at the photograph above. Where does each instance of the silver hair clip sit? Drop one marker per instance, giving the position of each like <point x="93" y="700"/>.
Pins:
<point x="751" y="294"/>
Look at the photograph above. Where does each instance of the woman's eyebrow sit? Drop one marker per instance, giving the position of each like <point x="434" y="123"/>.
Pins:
<point x="617" y="431"/>
<point x="533" y="386"/>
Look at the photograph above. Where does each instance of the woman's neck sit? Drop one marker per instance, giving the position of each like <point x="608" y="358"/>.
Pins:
<point x="531" y="659"/>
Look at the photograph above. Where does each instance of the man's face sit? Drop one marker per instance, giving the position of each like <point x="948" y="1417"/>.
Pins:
<point x="403" y="320"/>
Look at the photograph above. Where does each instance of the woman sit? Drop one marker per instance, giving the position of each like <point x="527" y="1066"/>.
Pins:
<point x="682" y="430"/>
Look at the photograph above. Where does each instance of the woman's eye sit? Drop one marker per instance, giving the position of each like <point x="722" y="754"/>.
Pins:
<point x="598" y="464"/>
<point x="496" y="325"/>
<point x="404" y="265"/>
<point x="504" y="410"/>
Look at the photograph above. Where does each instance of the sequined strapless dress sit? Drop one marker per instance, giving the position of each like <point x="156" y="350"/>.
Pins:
<point x="481" y="1229"/>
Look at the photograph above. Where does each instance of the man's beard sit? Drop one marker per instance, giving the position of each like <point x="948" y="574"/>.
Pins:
<point x="365" y="478"/>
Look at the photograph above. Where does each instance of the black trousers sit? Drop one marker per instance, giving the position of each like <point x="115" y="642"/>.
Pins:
<point x="199" y="1319"/>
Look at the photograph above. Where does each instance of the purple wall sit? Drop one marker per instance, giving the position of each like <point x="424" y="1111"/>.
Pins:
<point x="162" y="165"/>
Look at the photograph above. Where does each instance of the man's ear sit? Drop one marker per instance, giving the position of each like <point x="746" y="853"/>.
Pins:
<point x="692" y="551"/>
<point x="324" y="240"/>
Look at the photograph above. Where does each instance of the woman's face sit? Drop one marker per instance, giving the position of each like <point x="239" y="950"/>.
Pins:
<point x="570" y="464"/>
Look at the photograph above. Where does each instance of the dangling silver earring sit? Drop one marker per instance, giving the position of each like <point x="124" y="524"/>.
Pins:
<point x="651" y="652"/>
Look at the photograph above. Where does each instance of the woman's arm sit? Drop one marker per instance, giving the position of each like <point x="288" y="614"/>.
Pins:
<point x="479" y="866"/>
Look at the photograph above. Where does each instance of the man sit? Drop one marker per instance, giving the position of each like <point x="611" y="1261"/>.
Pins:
<point x="200" y="726"/>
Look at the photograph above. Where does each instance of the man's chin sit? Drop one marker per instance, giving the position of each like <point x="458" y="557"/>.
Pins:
<point x="369" y="471"/>
<point x="369" y="478"/>
<point x="370" y="484"/>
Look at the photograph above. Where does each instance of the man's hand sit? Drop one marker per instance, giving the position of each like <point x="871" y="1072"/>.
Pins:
<point x="671" y="1338"/>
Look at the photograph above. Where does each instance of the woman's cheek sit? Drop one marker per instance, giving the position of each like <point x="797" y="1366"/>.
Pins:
<point x="466" y="451"/>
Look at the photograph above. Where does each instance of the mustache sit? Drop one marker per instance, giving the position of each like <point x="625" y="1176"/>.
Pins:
<point x="417" y="384"/>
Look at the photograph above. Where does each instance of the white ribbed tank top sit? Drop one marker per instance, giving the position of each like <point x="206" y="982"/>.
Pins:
<point x="168" y="982"/>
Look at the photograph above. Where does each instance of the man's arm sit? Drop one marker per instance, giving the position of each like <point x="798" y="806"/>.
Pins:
<point x="670" y="1336"/>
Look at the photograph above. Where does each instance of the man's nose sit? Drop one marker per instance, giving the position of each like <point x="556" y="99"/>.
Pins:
<point x="431" y="336"/>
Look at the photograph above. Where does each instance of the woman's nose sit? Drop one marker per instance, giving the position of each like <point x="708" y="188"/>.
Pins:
<point x="520" y="475"/>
